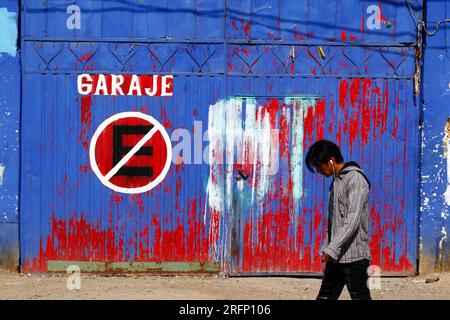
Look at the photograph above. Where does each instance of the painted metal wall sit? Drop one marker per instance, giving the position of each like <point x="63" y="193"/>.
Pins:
<point x="9" y="135"/>
<point x="255" y="84"/>
<point x="435" y="179"/>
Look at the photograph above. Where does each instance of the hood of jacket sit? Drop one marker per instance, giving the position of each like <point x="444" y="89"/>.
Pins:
<point x="351" y="166"/>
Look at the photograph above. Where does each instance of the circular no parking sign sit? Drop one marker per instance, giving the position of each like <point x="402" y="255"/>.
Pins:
<point x="130" y="152"/>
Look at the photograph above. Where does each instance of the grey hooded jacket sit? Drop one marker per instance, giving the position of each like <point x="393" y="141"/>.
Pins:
<point x="348" y="208"/>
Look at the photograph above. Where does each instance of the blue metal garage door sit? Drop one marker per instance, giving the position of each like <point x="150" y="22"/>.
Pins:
<point x="255" y="83"/>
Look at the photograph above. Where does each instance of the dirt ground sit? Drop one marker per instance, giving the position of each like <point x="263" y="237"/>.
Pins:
<point x="15" y="286"/>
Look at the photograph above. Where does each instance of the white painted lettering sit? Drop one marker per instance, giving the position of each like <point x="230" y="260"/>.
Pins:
<point x="166" y="86"/>
<point x="84" y="82"/>
<point x="101" y="85"/>
<point x="152" y="91"/>
<point x="135" y="86"/>
<point x="116" y="82"/>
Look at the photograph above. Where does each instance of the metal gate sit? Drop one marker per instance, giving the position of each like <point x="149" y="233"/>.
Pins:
<point x="254" y="85"/>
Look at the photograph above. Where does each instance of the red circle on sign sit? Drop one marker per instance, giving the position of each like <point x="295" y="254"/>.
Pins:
<point x="130" y="151"/>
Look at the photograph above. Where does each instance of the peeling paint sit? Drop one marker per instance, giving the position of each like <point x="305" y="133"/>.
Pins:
<point x="446" y="141"/>
<point x="2" y="171"/>
<point x="256" y="174"/>
<point x="250" y="143"/>
<point x="8" y="25"/>
<point x="235" y="144"/>
<point x="272" y="212"/>
<point x="299" y="107"/>
<point x="443" y="238"/>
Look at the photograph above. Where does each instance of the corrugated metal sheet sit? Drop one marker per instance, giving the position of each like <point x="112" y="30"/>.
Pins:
<point x="311" y="70"/>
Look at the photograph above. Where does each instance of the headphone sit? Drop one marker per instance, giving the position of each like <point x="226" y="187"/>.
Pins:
<point x="332" y="164"/>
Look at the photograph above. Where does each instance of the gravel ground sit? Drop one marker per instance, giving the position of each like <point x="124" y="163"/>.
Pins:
<point x="41" y="287"/>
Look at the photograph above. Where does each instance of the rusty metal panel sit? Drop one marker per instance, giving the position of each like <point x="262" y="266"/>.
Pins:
<point x="240" y="119"/>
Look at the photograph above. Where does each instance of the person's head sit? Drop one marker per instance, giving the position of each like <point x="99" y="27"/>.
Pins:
<point x="323" y="155"/>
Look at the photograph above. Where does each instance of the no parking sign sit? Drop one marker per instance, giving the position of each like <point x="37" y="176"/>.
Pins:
<point x="130" y="152"/>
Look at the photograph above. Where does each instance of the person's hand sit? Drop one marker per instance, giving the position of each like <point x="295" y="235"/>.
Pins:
<point x="325" y="257"/>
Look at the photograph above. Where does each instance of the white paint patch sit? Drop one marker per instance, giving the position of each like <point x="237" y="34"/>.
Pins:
<point x="299" y="108"/>
<point x="446" y="155"/>
<point x="251" y="142"/>
<point x="225" y="117"/>
<point x="8" y="27"/>
<point x="232" y="142"/>
<point x="2" y="171"/>
<point x="447" y="191"/>
<point x="243" y="136"/>
<point x="263" y="144"/>
<point x="216" y="198"/>
<point x="250" y="136"/>
<point x="443" y="238"/>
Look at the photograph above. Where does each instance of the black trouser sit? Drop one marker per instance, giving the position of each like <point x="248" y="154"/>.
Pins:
<point x="353" y="275"/>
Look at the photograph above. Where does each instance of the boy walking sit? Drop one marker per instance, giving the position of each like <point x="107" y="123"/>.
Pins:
<point x="346" y="251"/>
